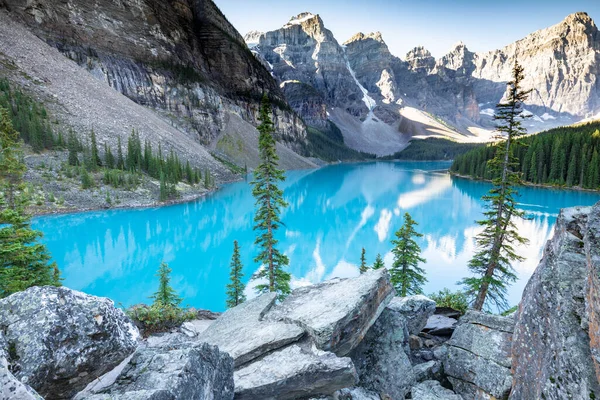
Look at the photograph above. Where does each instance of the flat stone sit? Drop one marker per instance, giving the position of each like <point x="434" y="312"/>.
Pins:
<point x="242" y="332"/>
<point x="356" y="393"/>
<point x="487" y="375"/>
<point x="433" y="390"/>
<point x="448" y="312"/>
<point x="64" y="339"/>
<point x="427" y="371"/>
<point x="482" y="341"/>
<point x="296" y="371"/>
<point x="415" y="309"/>
<point x="195" y="327"/>
<point x="186" y="371"/>
<point x="440" y="325"/>
<point x="337" y="314"/>
<point x="496" y="322"/>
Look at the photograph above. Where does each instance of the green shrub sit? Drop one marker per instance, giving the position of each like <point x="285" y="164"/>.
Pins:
<point x="455" y="300"/>
<point x="158" y="317"/>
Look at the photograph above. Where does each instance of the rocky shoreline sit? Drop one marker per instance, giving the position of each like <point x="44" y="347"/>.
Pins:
<point x="343" y="339"/>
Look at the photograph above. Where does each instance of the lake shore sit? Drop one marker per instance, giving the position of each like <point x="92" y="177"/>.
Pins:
<point x="528" y="184"/>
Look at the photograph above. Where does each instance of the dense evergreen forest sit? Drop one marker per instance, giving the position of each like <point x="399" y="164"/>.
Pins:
<point x="119" y="168"/>
<point x="565" y="156"/>
<point x="431" y="149"/>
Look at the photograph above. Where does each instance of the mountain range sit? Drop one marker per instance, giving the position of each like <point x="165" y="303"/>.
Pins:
<point x="380" y="101"/>
<point x="180" y="74"/>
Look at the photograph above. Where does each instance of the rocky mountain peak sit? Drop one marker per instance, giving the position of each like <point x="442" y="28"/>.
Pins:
<point x="361" y="36"/>
<point x="420" y="59"/>
<point x="459" y="58"/>
<point x="305" y="18"/>
<point x="252" y="38"/>
<point x="579" y="18"/>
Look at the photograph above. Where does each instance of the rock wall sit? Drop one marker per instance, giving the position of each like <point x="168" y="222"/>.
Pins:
<point x="181" y="58"/>
<point x="555" y="349"/>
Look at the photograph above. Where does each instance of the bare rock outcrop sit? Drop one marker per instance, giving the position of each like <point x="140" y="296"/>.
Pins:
<point x="555" y="349"/>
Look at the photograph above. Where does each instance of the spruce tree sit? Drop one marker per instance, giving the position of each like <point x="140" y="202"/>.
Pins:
<point x="378" y="262"/>
<point x="269" y="202"/>
<point x="235" y="288"/>
<point x="120" y="160"/>
<point x="363" y="262"/>
<point x="95" y="157"/>
<point x="73" y="145"/>
<point x="165" y="296"/>
<point x="406" y="275"/>
<point x="24" y="262"/>
<point x="491" y="265"/>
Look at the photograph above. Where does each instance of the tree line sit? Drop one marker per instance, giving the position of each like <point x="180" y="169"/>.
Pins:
<point x="566" y="156"/>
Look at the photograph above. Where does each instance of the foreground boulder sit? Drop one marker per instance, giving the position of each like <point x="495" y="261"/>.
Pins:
<point x="184" y="371"/>
<point x="60" y="339"/>
<point x="241" y="332"/>
<point x="11" y="387"/>
<point x="557" y="338"/>
<point x="478" y="360"/>
<point x="381" y="359"/>
<point x="297" y="371"/>
<point x="337" y="314"/>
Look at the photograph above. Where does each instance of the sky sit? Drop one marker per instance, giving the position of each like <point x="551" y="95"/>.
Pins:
<point x="436" y="24"/>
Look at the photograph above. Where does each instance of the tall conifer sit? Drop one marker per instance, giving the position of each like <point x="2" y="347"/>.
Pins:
<point x="491" y="265"/>
<point x="406" y="275"/>
<point x="269" y="202"/>
<point x="235" y="288"/>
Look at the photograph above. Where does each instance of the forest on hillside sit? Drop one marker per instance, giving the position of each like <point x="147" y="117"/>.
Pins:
<point x="564" y="156"/>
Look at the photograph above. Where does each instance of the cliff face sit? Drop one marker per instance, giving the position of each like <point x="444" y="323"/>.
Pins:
<point x="555" y="344"/>
<point x="179" y="57"/>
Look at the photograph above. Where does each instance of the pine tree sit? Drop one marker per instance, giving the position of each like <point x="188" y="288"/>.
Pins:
<point x="235" y="288"/>
<point x="109" y="159"/>
<point x="269" y="201"/>
<point x="120" y="160"/>
<point x="73" y="145"/>
<point x="95" y="157"/>
<point x="363" y="262"/>
<point x="378" y="262"/>
<point x="406" y="275"/>
<point x="165" y="296"/>
<point x="24" y="262"/>
<point x="491" y="264"/>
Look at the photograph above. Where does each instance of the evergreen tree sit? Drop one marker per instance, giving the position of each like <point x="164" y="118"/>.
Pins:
<point x="269" y="201"/>
<point x="95" y="157"/>
<point x="378" y="262"/>
<point x="24" y="262"/>
<point x="406" y="275"/>
<point x="363" y="262"/>
<point x="120" y="160"/>
<point x="109" y="159"/>
<point x="235" y="288"/>
<point x="73" y="145"/>
<point x="491" y="264"/>
<point x="165" y="295"/>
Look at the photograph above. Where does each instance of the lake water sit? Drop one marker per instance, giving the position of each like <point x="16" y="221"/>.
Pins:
<point x="333" y="213"/>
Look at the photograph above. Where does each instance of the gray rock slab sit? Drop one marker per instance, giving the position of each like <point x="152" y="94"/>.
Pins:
<point x="242" y="333"/>
<point x="296" y="371"/>
<point x="337" y="314"/>
<point x="178" y="372"/>
<point x="381" y="358"/>
<point x="64" y="339"/>
<point x="487" y="375"/>
<point x="488" y="343"/>
<point x="433" y="390"/>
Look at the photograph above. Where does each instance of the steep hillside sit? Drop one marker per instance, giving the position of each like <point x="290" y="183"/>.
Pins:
<point x="180" y="58"/>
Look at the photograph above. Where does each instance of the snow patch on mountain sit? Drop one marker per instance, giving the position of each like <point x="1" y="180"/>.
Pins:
<point x="298" y="20"/>
<point x="368" y="100"/>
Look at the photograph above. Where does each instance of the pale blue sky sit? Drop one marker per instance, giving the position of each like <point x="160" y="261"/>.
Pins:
<point x="436" y="24"/>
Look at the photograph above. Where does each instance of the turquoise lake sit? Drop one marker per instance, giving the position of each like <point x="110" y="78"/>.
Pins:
<point x="333" y="213"/>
